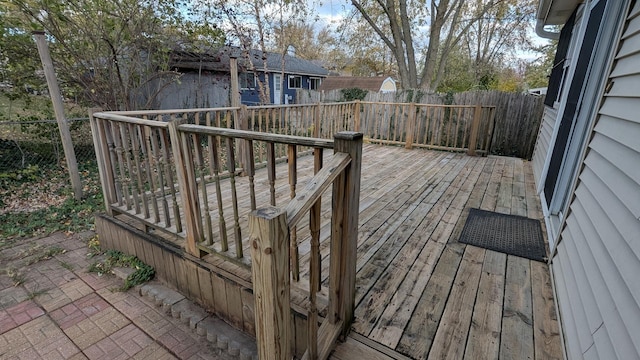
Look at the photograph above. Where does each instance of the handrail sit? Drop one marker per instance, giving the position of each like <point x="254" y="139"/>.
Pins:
<point x="297" y="105"/>
<point x="312" y="191"/>
<point x="252" y="135"/>
<point x="271" y="229"/>
<point x="172" y="111"/>
<point x="130" y="120"/>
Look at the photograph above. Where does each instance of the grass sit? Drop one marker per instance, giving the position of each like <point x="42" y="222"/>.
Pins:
<point x="55" y="208"/>
<point x="34" y="107"/>
<point x="66" y="265"/>
<point x="142" y="273"/>
<point x="46" y="254"/>
<point x="16" y="276"/>
<point x="34" y="294"/>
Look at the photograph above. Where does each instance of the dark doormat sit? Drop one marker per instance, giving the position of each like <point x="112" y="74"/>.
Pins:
<point x="509" y="234"/>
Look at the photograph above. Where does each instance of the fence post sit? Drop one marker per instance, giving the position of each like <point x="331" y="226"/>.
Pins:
<point x="489" y="140"/>
<point x="356" y="125"/>
<point x="316" y="121"/>
<point x="104" y="161"/>
<point x="269" y="237"/>
<point x="58" y="108"/>
<point x="475" y="126"/>
<point x="344" y="231"/>
<point x="411" y="125"/>
<point x="188" y="190"/>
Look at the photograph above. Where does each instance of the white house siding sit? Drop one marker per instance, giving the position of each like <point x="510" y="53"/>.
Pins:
<point x="542" y="143"/>
<point x="597" y="264"/>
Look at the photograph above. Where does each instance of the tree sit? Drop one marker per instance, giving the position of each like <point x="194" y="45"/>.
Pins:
<point x="421" y="57"/>
<point x="115" y="54"/>
<point x="367" y="55"/>
<point x="498" y="35"/>
<point x="536" y="73"/>
<point x="255" y="23"/>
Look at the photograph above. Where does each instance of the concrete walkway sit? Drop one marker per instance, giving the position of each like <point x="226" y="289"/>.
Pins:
<point x="52" y="308"/>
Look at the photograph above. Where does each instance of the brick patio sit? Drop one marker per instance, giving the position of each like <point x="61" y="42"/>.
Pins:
<point x="55" y="309"/>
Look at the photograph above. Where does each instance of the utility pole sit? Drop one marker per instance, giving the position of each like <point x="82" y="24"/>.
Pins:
<point x="56" y="99"/>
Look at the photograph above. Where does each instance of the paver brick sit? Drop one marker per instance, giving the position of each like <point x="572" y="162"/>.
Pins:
<point x="154" y="352"/>
<point x="64" y="294"/>
<point x="11" y="296"/>
<point x="181" y="343"/>
<point x="128" y="303"/>
<point x="153" y="323"/>
<point x="40" y="336"/>
<point x="96" y="327"/>
<point x="19" y="314"/>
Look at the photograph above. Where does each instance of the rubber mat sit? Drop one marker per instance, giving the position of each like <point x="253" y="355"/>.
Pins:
<point x="509" y="234"/>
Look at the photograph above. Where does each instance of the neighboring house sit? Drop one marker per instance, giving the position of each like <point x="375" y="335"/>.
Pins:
<point x="587" y="167"/>
<point x="298" y="74"/>
<point x="375" y="84"/>
<point x="214" y="67"/>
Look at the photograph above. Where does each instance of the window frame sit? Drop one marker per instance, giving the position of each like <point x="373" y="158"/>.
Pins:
<point x="317" y="80"/>
<point x="293" y="77"/>
<point x="243" y="76"/>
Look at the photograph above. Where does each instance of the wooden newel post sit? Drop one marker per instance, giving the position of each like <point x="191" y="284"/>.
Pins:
<point x="356" y="116"/>
<point x="269" y="238"/>
<point x="104" y="161"/>
<point x="344" y="232"/>
<point x="475" y="127"/>
<point x="188" y="189"/>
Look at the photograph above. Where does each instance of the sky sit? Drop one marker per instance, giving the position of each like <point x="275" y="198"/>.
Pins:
<point x="330" y="11"/>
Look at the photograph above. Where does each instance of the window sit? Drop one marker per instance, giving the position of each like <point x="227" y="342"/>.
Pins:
<point x="560" y="63"/>
<point x="295" y="82"/>
<point x="247" y="80"/>
<point x="314" y="83"/>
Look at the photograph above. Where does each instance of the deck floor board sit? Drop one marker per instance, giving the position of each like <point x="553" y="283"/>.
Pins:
<point x="420" y="293"/>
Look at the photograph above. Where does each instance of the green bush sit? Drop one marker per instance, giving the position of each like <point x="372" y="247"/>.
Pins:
<point x="352" y="94"/>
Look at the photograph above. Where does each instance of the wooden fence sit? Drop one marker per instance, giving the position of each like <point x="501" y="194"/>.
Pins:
<point x="465" y="128"/>
<point x="168" y="173"/>
<point x="517" y="115"/>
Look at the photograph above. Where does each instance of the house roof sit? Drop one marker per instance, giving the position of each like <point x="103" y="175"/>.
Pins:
<point x="348" y="82"/>
<point x="219" y="61"/>
<point x="556" y="12"/>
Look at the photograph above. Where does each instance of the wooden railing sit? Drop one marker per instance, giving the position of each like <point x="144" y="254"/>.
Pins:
<point x="271" y="229"/>
<point x="462" y="128"/>
<point x="192" y="174"/>
<point x="137" y="162"/>
<point x="172" y="174"/>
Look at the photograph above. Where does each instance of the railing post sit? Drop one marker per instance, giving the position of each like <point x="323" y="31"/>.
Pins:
<point x="410" y="125"/>
<point x="242" y="123"/>
<point x="344" y="231"/>
<point x="269" y="237"/>
<point x="356" y="116"/>
<point x="104" y="161"/>
<point x="475" y="126"/>
<point x="188" y="190"/>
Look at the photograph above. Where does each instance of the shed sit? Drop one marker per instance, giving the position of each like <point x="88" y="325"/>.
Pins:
<point x="298" y="73"/>
<point x="376" y="84"/>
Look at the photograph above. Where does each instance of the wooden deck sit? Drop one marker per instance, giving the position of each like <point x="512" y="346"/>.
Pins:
<point x="420" y="293"/>
<point x="423" y="294"/>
